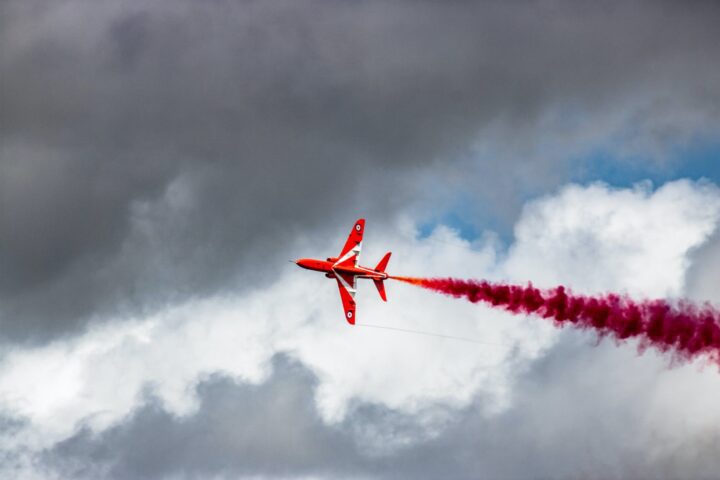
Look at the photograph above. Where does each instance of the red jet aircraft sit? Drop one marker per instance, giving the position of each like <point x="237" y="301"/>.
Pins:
<point x="345" y="270"/>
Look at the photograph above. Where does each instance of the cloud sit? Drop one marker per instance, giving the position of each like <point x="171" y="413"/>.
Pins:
<point x="560" y="426"/>
<point x="272" y="428"/>
<point x="219" y="386"/>
<point x="636" y="239"/>
<point x="151" y="152"/>
<point x="702" y="276"/>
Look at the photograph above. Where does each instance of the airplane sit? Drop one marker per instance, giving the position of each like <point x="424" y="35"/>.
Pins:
<point x="345" y="269"/>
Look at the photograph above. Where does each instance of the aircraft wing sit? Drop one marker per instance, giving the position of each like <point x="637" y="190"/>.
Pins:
<point x="346" y="284"/>
<point x="350" y="253"/>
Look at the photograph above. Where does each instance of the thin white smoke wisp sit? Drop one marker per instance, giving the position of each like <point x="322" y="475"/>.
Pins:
<point x="431" y="334"/>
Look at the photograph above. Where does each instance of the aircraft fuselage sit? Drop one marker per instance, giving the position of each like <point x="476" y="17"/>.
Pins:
<point x="327" y="267"/>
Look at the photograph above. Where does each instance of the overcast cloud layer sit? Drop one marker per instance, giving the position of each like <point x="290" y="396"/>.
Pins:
<point x="159" y="164"/>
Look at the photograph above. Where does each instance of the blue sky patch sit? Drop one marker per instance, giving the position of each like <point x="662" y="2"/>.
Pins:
<point x="700" y="160"/>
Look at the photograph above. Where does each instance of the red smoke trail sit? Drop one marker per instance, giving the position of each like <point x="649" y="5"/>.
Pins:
<point x="685" y="330"/>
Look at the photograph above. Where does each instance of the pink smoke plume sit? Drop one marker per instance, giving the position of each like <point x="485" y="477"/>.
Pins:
<point x="685" y="330"/>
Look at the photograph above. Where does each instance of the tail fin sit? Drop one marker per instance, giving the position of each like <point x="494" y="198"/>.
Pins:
<point x="381" y="289"/>
<point x="382" y="264"/>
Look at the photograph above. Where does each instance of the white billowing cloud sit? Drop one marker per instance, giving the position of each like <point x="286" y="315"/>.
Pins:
<point x="591" y="237"/>
<point x="703" y="277"/>
<point x="596" y="238"/>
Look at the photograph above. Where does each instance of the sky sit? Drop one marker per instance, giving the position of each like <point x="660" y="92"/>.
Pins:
<point x="161" y="161"/>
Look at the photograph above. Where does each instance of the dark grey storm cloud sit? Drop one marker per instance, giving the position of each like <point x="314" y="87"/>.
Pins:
<point x="272" y="429"/>
<point x="565" y="423"/>
<point x="157" y="150"/>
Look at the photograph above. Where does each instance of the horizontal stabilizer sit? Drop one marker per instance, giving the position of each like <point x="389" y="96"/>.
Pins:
<point x="381" y="289"/>
<point x="382" y="264"/>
